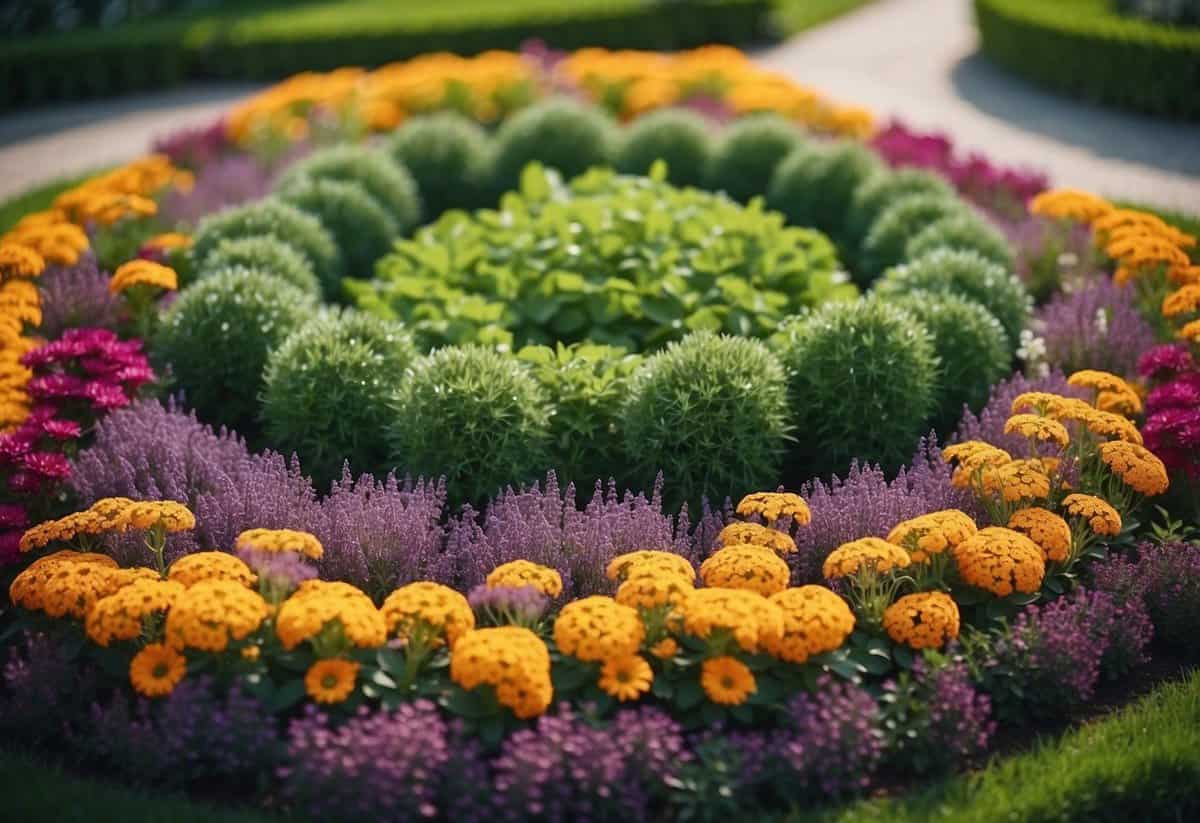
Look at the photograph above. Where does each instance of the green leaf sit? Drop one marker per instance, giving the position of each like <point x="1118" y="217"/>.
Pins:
<point x="286" y="696"/>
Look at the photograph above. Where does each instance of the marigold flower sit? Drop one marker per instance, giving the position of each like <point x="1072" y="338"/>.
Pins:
<point x="650" y="563"/>
<point x="277" y="541"/>
<point x="727" y="681"/>
<point x="924" y="620"/>
<point x="755" y="568"/>
<point x="156" y="670"/>
<point x="774" y="506"/>
<point x="753" y="620"/>
<point x="143" y="273"/>
<point x="757" y="535"/>
<point x="331" y="681"/>
<point x="932" y="533"/>
<point x="1069" y="204"/>
<point x="1106" y="424"/>
<point x="67" y="584"/>
<point x="200" y="566"/>
<point x="1045" y="528"/>
<point x="1125" y="402"/>
<point x="598" y="628"/>
<point x="1138" y="467"/>
<point x="626" y="678"/>
<point x="172" y="516"/>
<point x="318" y="604"/>
<point x="864" y="553"/>
<point x="17" y="260"/>
<point x="1000" y="561"/>
<point x="432" y="604"/>
<point x="1018" y="480"/>
<point x="169" y="241"/>
<point x="653" y="591"/>
<point x="511" y="659"/>
<point x="1040" y="402"/>
<point x="211" y="613"/>
<point x="973" y="456"/>
<point x="665" y="649"/>
<point x="1190" y="332"/>
<point x="1184" y="300"/>
<point x="121" y="615"/>
<point x="1102" y="518"/>
<point x="524" y="573"/>
<point x="1182" y="275"/>
<point x="815" y="620"/>
<point x="1035" y="427"/>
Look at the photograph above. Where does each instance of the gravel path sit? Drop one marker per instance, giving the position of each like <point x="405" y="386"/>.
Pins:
<point x="914" y="59"/>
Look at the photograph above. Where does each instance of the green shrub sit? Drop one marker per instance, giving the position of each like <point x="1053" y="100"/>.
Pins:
<point x="558" y="133"/>
<point x="711" y="413"/>
<point x="885" y="243"/>
<point x="676" y="136"/>
<point x="589" y="384"/>
<point x="449" y="156"/>
<point x="815" y="184"/>
<point x="624" y="261"/>
<point x="964" y="232"/>
<point x="362" y="229"/>
<point x="970" y="343"/>
<point x="881" y="190"/>
<point x="326" y="392"/>
<point x="970" y="275"/>
<point x="748" y="152"/>
<point x="862" y="378"/>
<point x="392" y="186"/>
<point x="474" y="415"/>
<point x="275" y="218"/>
<point x="215" y="339"/>
<point x="267" y="254"/>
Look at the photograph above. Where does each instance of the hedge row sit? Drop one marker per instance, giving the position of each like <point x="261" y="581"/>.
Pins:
<point x="1084" y="48"/>
<point x="39" y="70"/>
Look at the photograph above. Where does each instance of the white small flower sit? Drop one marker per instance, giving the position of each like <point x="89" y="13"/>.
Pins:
<point x="1102" y="322"/>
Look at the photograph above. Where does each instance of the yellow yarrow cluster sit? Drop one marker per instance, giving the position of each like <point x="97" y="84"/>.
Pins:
<point x="277" y="541"/>
<point x="1000" y="561"/>
<point x="1069" y="204"/>
<point x="517" y="573"/>
<point x="318" y="604"/>
<point x="1190" y="332"/>
<point x="67" y="583"/>
<point x="754" y="622"/>
<point x="51" y="235"/>
<point x="170" y="241"/>
<point x="1017" y="480"/>
<point x="1050" y="532"/>
<point x="973" y="457"/>
<point x="924" y="620"/>
<point x="211" y="613"/>
<point x="512" y="660"/>
<point x="1037" y="428"/>
<point x="744" y="566"/>
<point x="932" y="533"/>
<point x="1184" y="300"/>
<point x="109" y="514"/>
<point x="18" y="262"/>
<point x="866" y="553"/>
<point x="775" y="506"/>
<point x="20" y="305"/>
<point x="143" y="273"/>
<point x="653" y="591"/>
<point x="598" y="628"/>
<point x="431" y="604"/>
<point x="1138" y="467"/>
<point x="757" y="535"/>
<point x="165" y="514"/>
<point x="200" y="566"/>
<point x="650" y="563"/>
<point x="121" y="615"/>
<point x="815" y="620"/>
<point x="1101" y="517"/>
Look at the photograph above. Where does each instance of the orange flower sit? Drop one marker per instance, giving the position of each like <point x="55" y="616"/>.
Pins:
<point x="1045" y="528"/>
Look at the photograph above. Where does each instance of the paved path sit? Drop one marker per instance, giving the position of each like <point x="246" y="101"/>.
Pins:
<point x="911" y="58"/>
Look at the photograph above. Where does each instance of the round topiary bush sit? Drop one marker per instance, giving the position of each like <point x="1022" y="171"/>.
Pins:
<point x="885" y="243"/>
<point x="964" y="232"/>
<point x="450" y="157"/>
<point x="815" y="184"/>
<point x="215" y="339"/>
<point x="266" y="254"/>
<point x="474" y="415"/>
<point x="881" y="190"/>
<point x="748" y="152"/>
<point x="389" y="183"/>
<point x="363" y="230"/>
<point x="969" y="274"/>
<point x="711" y="413"/>
<point x="970" y="343"/>
<point x="560" y="134"/>
<point x="275" y="218"/>
<point x="326" y="392"/>
<point x="862" y="378"/>
<point x="676" y="136"/>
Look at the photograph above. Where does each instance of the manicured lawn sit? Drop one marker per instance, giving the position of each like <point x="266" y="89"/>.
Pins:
<point x="797" y="15"/>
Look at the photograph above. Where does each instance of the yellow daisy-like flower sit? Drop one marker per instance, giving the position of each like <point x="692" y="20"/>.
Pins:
<point x="211" y="613"/>
<point x="331" y="681"/>
<point x="432" y="604"/>
<point x="317" y="605"/>
<point x="752" y="620"/>
<point x="278" y="541"/>
<point x="932" y="533"/>
<point x="774" y="506"/>
<point x="200" y="566"/>
<point x="17" y="260"/>
<point x="757" y="535"/>
<point x="1035" y="427"/>
<point x="626" y="678"/>
<point x="518" y="573"/>
<point x="754" y="568"/>
<point x="815" y="620"/>
<point x="925" y="620"/>
<point x="1184" y="300"/>
<point x="511" y="659"/>
<point x="1138" y="467"/>
<point x="598" y="628"/>
<point x="650" y="563"/>
<point x="727" y="681"/>
<point x="156" y="670"/>
<point x="143" y="273"/>
<point x="121" y="615"/>
<point x="1102" y="518"/>
<point x="172" y="516"/>
<point x="1000" y="561"/>
<point x="864" y="553"/>
<point x="1070" y="204"/>
<point x="653" y="591"/>
<point x="1045" y="528"/>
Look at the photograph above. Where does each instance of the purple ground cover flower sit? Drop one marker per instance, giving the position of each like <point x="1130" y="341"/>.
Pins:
<point x="833" y="741"/>
<point x="77" y="295"/>
<point x="44" y="690"/>
<point x="1167" y="579"/>
<point x="1094" y="326"/>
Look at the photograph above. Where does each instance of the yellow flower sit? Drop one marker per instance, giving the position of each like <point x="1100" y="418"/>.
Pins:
<point x="318" y="604"/>
<point x="211" y="613"/>
<point x="774" y="506"/>
<point x="1035" y="427"/>
<point x="1017" y="480"/>
<point x="757" y="535"/>
<point x="1106" y="424"/>
<point x="331" y="681"/>
<point x="156" y="670"/>
<point x="626" y="678"/>
<point x="1184" y="300"/>
<point x="752" y="620"/>
<point x="1138" y="467"/>
<point x="1125" y="402"/>
<point x="120" y="615"/>
<point x="511" y="659"/>
<point x="251" y="653"/>
<point x="28" y="588"/>
<point x="932" y="533"/>
<point x="277" y="541"/>
<point x="1070" y="204"/>
<point x="754" y="568"/>
<point x="1000" y="561"/>
<point x="17" y="260"/>
<point x="665" y="649"/>
<point x="598" y="628"/>
<point x="1045" y="528"/>
<point x="653" y="591"/>
<point x="925" y="620"/>
<point x="1102" y="518"/>
<point x="815" y="620"/>
<point x="669" y="563"/>
<point x="1041" y="402"/>
<point x="1191" y="331"/>
<point x="972" y="457"/>
<point x="199" y="566"/>
<point x="169" y="241"/>
<point x="143" y="273"/>
<point x="864" y="553"/>
<point x="518" y="573"/>
<point x="172" y="516"/>
<point x="432" y="604"/>
<point x="727" y="681"/>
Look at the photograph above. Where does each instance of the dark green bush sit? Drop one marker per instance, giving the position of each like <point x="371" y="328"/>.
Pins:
<point x="676" y="136"/>
<point x="266" y="254"/>
<point x="449" y="156"/>
<point x="970" y="343"/>
<point x="476" y="416"/>
<point x="815" y="184"/>
<point x="965" y="232"/>
<point x="862" y="380"/>
<point x="968" y="274"/>
<point x="710" y="412"/>
<point x="558" y="133"/>
<point x="362" y="229"/>
<point x="885" y="243"/>
<point x="215" y="339"/>
<point x="589" y="384"/>
<point x="1087" y="49"/>
<point x="390" y="184"/>
<point x="882" y="189"/>
<point x="748" y="152"/>
<point x="624" y="261"/>
<point x="274" y="218"/>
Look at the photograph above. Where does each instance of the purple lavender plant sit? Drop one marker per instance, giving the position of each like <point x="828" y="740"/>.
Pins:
<point x="220" y="182"/>
<point x="988" y="425"/>
<point x="508" y="605"/>
<point x="1096" y="325"/>
<point x="832" y="744"/>
<point x="75" y="296"/>
<point x="45" y="691"/>
<point x="1170" y="580"/>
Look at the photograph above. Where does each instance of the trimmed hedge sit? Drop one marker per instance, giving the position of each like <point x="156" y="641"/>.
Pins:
<point x="154" y="55"/>
<point x="1086" y="49"/>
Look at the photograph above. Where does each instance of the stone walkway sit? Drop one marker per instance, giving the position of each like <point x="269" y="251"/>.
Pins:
<point x="914" y="59"/>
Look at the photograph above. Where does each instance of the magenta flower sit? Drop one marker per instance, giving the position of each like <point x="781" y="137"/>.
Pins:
<point x="13" y="516"/>
<point x="51" y="465"/>
<point x="106" y="396"/>
<point x="24" y="482"/>
<point x="1172" y="357"/>
<point x="62" y="429"/>
<point x="56" y="386"/>
<point x="10" y="547"/>
<point x="1182" y="392"/>
<point x="15" y="445"/>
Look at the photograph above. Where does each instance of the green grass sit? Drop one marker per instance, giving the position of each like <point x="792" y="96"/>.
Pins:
<point x="795" y="16"/>
<point x="1142" y="763"/>
<point x="15" y="208"/>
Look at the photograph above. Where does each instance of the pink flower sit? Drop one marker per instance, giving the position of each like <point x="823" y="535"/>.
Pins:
<point x="1173" y="357"/>
<point x="105" y="396"/>
<point x="135" y="375"/>
<point x="1181" y="392"/>
<point x="23" y="482"/>
<point x="62" y="429"/>
<point x="14" y="446"/>
<point x="13" y="516"/>
<point x="56" y="386"/>
<point x="48" y="464"/>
